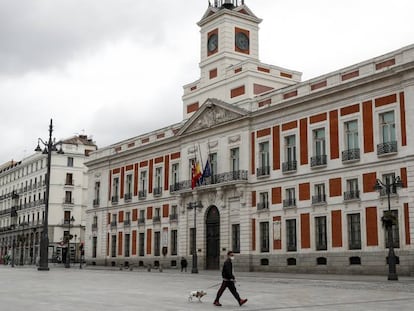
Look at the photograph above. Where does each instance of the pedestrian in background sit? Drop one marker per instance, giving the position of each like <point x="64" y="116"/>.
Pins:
<point x="228" y="281"/>
<point x="183" y="264"/>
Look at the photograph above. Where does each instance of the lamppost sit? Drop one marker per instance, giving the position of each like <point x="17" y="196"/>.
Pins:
<point x="68" y="238"/>
<point x="194" y="206"/>
<point x="13" y="247"/>
<point x="50" y="146"/>
<point x="388" y="220"/>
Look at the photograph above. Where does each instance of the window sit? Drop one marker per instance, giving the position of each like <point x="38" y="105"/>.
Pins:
<point x="174" y="242"/>
<point x="128" y="187"/>
<point x="235" y="238"/>
<point x="387" y="131"/>
<point x="264" y="237"/>
<point x="352" y="151"/>
<point x="66" y="217"/>
<point x="113" y="246"/>
<point x="290" y="197"/>
<point x="141" y="244"/>
<point x="320" y="196"/>
<point x="291" y="235"/>
<point x="70" y="162"/>
<point x="142" y="214"/>
<point x="157" y="215"/>
<point x="264" y="167"/>
<point x="395" y="232"/>
<point x="352" y="191"/>
<point x="68" y="197"/>
<point x="320" y="233"/>
<point x="263" y="201"/>
<point x="143" y="185"/>
<point x="234" y="159"/>
<point x="290" y="154"/>
<point x="354" y="231"/>
<point x="127" y="244"/>
<point x="388" y="179"/>
<point x="319" y="148"/>
<point x="213" y="167"/>
<point x="175" y="176"/>
<point x="387" y="126"/>
<point x="115" y="190"/>
<point x="69" y="179"/>
<point x="127" y="220"/>
<point x="157" y="243"/>
<point x="158" y="181"/>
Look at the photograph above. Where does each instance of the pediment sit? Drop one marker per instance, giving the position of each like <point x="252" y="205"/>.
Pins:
<point x="212" y="113"/>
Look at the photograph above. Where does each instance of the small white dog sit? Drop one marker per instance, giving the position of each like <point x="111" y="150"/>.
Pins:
<point x="198" y="294"/>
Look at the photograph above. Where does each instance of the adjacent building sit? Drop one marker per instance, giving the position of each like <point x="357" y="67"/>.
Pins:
<point x="22" y="205"/>
<point x="289" y="166"/>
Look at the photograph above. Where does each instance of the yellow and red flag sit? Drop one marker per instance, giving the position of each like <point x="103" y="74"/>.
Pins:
<point x="196" y="174"/>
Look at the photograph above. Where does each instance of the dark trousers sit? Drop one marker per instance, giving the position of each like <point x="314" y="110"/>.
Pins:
<point x="230" y="285"/>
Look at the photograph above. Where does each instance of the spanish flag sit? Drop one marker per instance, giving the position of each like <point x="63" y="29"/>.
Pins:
<point x="196" y="174"/>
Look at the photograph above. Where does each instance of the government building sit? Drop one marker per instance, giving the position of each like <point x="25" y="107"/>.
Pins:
<point x="294" y="176"/>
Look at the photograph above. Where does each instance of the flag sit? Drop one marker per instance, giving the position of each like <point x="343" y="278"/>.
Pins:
<point x="206" y="172"/>
<point x="196" y="174"/>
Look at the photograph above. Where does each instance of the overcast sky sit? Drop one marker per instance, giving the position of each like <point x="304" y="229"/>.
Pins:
<point x="114" y="69"/>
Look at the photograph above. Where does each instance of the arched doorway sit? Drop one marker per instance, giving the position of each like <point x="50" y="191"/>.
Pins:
<point x="213" y="238"/>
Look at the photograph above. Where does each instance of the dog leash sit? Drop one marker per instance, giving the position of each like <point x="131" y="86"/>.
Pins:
<point x="214" y="285"/>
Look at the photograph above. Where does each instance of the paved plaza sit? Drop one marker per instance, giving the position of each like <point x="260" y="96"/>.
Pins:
<point x="60" y="289"/>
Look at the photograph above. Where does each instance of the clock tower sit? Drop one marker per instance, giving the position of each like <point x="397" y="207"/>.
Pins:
<point x="230" y="69"/>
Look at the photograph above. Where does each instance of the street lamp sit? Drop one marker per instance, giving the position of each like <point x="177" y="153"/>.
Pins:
<point x="194" y="206"/>
<point x="13" y="247"/>
<point x="44" y="240"/>
<point x="68" y="238"/>
<point x="388" y="220"/>
<point x="22" y="240"/>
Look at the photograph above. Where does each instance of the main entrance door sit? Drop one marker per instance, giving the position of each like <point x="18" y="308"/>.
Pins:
<point x="213" y="238"/>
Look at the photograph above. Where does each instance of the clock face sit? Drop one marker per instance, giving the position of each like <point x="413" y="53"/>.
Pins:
<point x="212" y="43"/>
<point x="242" y="41"/>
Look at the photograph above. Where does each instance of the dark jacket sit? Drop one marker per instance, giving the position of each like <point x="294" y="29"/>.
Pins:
<point x="227" y="272"/>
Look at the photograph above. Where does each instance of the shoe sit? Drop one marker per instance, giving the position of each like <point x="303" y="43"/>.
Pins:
<point x="217" y="304"/>
<point x="242" y="302"/>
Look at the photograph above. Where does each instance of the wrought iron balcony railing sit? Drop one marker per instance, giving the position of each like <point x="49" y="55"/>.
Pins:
<point x="157" y="191"/>
<point x="289" y="203"/>
<point x="114" y="224"/>
<point x="115" y="199"/>
<point x="290" y="166"/>
<point x="263" y="171"/>
<point x="263" y="205"/>
<point x="156" y="219"/>
<point x="174" y="217"/>
<point x="96" y="202"/>
<point x="141" y="221"/>
<point x="319" y="199"/>
<point x="127" y="222"/>
<point x="127" y="196"/>
<point x="241" y="175"/>
<point x="142" y="194"/>
<point x="319" y="160"/>
<point x="351" y="155"/>
<point x="94" y="227"/>
<point x="386" y="148"/>
<point x="351" y="195"/>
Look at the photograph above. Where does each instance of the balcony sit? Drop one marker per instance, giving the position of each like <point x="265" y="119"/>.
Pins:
<point x="233" y="176"/>
<point x="156" y="219"/>
<point x="95" y="202"/>
<point x="114" y="224"/>
<point x="289" y="203"/>
<point x="115" y="199"/>
<point x="68" y="201"/>
<point x="319" y="199"/>
<point x="351" y="155"/>
<point x="387" y="148"/>
<point x="157" y="191"/>
<point x="174" y="217"/>
<point x="94" y="227"/>
<point x="127" y="223"/>
<point x="351" y="195"/>
<point x="383" y="192"/>
<point x="263" y="171"/>
<point x="141" y="221"/>
<point x="263" y="206"/>
<point x="142" y="194"/>
<point x="69" y="182"/>
<point x="290" y="166"/>
<point x="319" y="160"/>
<point x="127" y="197"/>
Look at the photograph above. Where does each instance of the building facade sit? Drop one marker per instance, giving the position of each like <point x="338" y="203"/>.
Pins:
<point x="290" y="166"/>
<point x="22" y="203"/>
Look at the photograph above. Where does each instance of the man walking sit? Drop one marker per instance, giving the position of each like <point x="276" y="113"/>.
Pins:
<point x="228" y="281"/>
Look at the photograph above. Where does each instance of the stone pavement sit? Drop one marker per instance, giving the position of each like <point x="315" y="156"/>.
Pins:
<point x="94" y="288"/>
